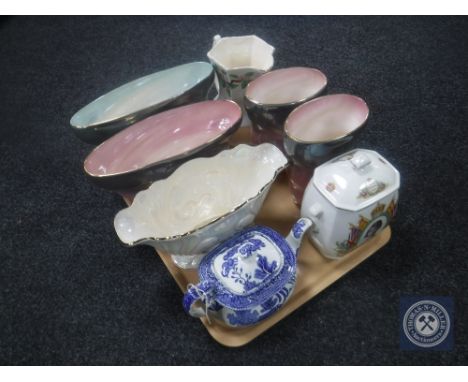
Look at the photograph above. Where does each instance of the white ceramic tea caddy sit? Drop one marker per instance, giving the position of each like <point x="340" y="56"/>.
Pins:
<point x="349" y="199"/>
<point x="247" y="278"/>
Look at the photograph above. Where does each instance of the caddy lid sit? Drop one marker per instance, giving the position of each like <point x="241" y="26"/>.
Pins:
<point x="356" y="179"/>
<point x="249" y="268"/>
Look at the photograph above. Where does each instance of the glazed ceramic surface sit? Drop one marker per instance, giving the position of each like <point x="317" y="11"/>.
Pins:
<point x="153" y="148"/>
<point x="247" y="278"/>
<point x="349" y="200"/>
<point x="319" y="130"/>
<point x="202" y="203"/>
<point x="237" y="61"/>
<point x="140" y="98"/>
<point x="288" y="86"/>
<point x="273" y="96"/>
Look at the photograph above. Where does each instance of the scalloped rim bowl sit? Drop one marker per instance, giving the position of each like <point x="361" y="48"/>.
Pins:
<point x="192" y="210"/>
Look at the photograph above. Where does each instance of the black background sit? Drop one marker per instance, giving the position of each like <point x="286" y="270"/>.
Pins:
<point x="71" y="293"/>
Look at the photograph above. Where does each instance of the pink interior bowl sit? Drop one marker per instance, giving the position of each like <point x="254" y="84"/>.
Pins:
<point x="317" y="131"/>
<point x="326" y="118"/>
<point x="154" y="147"/>
<point x="285" y="86"/>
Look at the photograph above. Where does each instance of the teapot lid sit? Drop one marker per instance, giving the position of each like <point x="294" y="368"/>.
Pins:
<point x="356" y="180"/>
<point x="249" y="268"/>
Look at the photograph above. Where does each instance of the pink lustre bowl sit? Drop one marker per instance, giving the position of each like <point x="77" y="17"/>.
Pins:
<point x="153" y="148"/>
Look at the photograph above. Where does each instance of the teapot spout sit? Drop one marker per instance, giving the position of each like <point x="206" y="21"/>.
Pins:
<point x="298" y="230"/>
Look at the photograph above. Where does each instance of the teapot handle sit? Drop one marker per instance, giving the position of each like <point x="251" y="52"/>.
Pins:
<point x="202" y="292"/>
<point x="314" y="213"/>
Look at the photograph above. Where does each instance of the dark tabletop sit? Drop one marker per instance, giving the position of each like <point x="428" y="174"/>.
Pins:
<point x="71" y="293"/>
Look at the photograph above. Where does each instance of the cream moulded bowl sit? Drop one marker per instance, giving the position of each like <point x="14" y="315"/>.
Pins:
<point x="153" y="148"/>
<point x="202" y="203"/>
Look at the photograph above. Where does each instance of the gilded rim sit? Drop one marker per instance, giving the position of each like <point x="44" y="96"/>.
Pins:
<point x="231" y="68"/>
<point x="183" y="155"/>
<point x="239" y="206"/>
<point x="293" y="103"/>
<point x="132" y="116"/>
<point x="297" y="140"/>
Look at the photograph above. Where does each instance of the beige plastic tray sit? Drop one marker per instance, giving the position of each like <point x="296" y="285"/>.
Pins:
<point x="315" y="272"/>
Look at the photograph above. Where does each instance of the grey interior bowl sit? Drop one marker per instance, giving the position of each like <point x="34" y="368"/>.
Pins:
<point x="141" y="98"/>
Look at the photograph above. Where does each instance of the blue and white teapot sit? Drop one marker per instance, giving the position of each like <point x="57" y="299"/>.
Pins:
<point x="248" y="277"/>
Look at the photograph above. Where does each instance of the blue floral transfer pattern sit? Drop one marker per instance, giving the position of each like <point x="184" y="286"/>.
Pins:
<point x="231" y="268"/>
<point x="264" y="268"/>
<point x="273" y="304"/>
<point x="257" y="257"/>
<point x="278" y="299"/>
<point x="298" y="228"/>
<point x="243" y="317"/>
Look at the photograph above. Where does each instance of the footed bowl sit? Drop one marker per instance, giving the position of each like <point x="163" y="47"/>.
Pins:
<point x="204" y="202"/>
